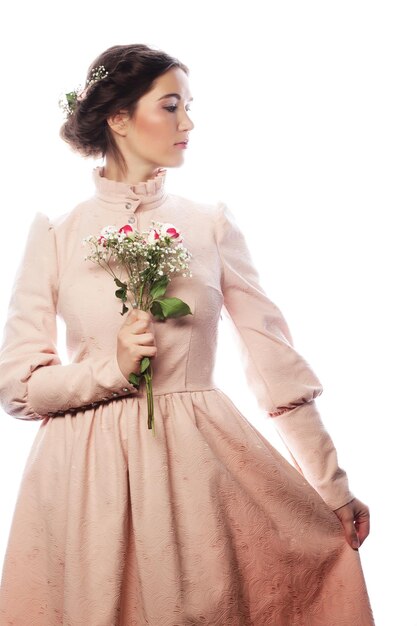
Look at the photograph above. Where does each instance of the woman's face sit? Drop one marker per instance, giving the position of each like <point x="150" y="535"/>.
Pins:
<point x="160" y="122"/>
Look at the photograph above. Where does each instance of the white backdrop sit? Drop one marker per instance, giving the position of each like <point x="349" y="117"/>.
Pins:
<point x="305" y="125"/>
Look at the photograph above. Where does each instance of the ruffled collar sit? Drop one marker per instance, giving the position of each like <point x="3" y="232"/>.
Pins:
<point x="151" y="192"/>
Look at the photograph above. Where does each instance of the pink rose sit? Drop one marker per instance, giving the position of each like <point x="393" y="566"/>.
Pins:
<point x="127" y="230"/>
<point x="169" y="230"/>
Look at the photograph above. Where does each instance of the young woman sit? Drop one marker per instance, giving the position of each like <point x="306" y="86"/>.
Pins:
<point x="206" y="522"/>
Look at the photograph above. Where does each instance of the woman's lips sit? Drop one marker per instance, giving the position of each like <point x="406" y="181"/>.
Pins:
<point x="181" y="145"/>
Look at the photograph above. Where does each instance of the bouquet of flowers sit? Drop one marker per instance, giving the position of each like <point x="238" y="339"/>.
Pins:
<point x="149" y="260"/>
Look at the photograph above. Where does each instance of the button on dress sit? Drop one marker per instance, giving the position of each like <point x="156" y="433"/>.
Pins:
<point x="205" y="523"/>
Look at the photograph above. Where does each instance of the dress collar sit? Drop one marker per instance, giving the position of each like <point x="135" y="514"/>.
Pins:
<point x="149" y="193"/>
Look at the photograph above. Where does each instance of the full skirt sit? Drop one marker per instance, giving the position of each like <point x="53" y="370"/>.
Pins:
<point x="204" y="524"/>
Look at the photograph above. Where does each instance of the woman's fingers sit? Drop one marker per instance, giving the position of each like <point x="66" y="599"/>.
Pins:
<point x="138" y="314"/>
<point x="146" y="339"/>
<point x="135" y="340"/>
<point x="355" y="519"/>
<point x="362" y="524"/>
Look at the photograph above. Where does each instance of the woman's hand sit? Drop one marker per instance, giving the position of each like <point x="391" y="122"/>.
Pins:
<point x="355" y="518"/>
<point x="135" y="340"/>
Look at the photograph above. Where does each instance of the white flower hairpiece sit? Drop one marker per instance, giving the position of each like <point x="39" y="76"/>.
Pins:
<point x="69" y="100"/>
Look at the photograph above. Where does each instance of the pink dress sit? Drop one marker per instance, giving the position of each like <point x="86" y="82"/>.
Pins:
<point x="205" y="523"/>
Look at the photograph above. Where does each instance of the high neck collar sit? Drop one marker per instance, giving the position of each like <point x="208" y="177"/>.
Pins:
<point x="151" y="192"/>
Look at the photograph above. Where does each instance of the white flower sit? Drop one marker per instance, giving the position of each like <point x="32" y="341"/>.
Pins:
<point x="153" y="236"/>
<point x="108" y="230"/>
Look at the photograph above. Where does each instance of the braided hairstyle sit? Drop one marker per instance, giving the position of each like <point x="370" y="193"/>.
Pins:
<point x="131" y="72"/>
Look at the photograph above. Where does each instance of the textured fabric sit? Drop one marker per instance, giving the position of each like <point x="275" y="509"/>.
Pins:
<point x="206" y="523"/>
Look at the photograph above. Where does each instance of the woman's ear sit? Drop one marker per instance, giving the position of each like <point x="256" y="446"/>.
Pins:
<point x="119" y="122"/>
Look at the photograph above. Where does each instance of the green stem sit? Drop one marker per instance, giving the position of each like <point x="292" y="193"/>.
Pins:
<point x="107" y="268"/>
<point x="149" y="396"/>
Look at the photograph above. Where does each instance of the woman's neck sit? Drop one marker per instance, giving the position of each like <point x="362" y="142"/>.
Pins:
<point x="135" y="173"/>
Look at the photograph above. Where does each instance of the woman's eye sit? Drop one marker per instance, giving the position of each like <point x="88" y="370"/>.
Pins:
<point x="173" y="108"/>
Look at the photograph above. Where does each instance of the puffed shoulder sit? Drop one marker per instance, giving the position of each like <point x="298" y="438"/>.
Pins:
<point x="41" y="223"/>
<point x="41" y="233"/>
<point x="229" y="234"/>
<point x="224" y="220"/>
<point x="41" y="245"/>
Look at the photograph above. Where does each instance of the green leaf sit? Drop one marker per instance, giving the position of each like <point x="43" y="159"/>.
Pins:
<point x="144" y="364"/>
<point x="159" y="287"/>
<point x="134" y="379"/>
<point x="157" y="311"/>
<point x="120" y="284"/>
<point x="124" y="309"/>
<point x="173" y="307"/>
<point x="121" y="293"/>
<point x="71" y="97"/>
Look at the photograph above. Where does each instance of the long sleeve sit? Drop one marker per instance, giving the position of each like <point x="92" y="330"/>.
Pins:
<point x="283" y="382"/>
<point x="33" y="381"/>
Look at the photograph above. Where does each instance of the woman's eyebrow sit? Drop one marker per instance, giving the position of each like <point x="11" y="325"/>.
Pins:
<point x="175" y="95"/>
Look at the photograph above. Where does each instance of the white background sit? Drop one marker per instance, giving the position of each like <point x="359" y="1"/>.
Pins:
<point x="305" y="125"/>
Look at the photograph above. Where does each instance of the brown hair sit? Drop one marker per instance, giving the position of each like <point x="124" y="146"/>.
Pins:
<point x="132" y="70"/>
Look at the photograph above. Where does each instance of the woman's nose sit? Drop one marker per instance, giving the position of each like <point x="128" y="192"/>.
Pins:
<point x="187" y="123"/>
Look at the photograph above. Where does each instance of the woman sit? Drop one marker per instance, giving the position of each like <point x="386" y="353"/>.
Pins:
<point x="206" y="523"/>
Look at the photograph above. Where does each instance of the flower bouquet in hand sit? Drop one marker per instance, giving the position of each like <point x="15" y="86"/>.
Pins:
<point x="148" y="260"/>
